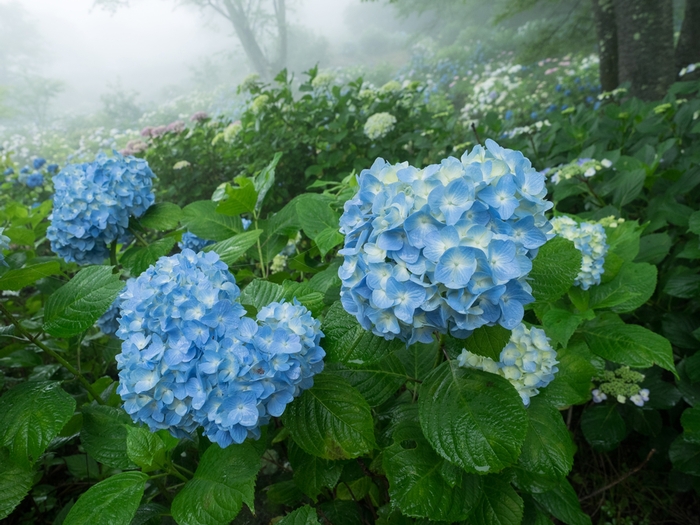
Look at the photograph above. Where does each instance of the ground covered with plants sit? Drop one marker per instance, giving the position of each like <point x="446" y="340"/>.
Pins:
<point x="470" y="299"/>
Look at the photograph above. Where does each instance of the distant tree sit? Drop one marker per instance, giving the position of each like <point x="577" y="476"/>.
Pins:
<point x="688" y="47"/>
<point x="255" y="22"/>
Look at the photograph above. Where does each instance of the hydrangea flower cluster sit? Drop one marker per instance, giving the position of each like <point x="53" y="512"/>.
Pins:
<point x="4" y="245"/>
<point x="190" y="357"/>
<point x="589" y="238"/>
<point x="622" y="384"/>
<point x="445" y="248"/>
<point x="379" y="124"/>
<point x="34" y="180"/>
<point x="528" y="361"/>
<point x="108" y="322"/>
<point x="92" y="204"/>
<point x="191" y="241"/>
<point x="577" y="168"/>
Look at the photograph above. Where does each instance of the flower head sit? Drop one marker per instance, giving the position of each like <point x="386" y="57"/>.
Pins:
<point x="38" y="163"/>
<point x="192" y="242"/>
<point x="445" y="248"/>
<point x="528" y="361"/>
<point x="379" y="124"/>
<point x="92" y="204"/>
<point x="589" y="238"/>
<point x="199" y="116"/>
<point x="34" y="180"/>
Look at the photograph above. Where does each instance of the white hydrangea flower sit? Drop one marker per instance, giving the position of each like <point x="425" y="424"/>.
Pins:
<point x="379" y="124"/>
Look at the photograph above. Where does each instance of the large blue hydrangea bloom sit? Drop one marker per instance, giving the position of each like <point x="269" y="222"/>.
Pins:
<point x="92" y="204"/>
<point x="190" y="357"/>
<point x="194" y="243"/>
<point x="445" y="248"/>
<point x="528" y="361"/>
<point x="35" y="180"/>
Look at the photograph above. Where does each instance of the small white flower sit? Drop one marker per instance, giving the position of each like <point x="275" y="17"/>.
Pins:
<point x="606" y="163"/>
<point x="598" y="396"/>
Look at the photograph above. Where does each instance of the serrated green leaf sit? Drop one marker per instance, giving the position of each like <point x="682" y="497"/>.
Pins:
<point x="631" y="288"/>
<point x="224" y="480"/>
<point x="328" y="239"/>
<point x="691" y="424"/>
<point x="76" y="306"/>
<point x="562" y="503"/>
<point x="305" y="294"/>
<point x="15" y="482"/>
<point x="416" y="483"/>
<point x="315" y="214"/>
<point x="20" y="235"/>
<point x="302" y="516"/>
<point x="260" y="293"/>
<point x="162" y="216"/>
<point x="500" y="504"/>
<point x="137" y="259"/>
<point x="624" y="241"/>
<point x="264" y="180"/>
<point x="488" y="341"/>
<point x="654" y="248"/>
<point x="235" y="247"/>
<point x="145" y="448"/>
<point x="31" y="415"/>
<point x="284" y="493"/>
<point x="572" y="384"/>
<point x="420" y="358"/>
<point x="149" y="514"/>
<point x="603" y="426"/>
<point x="560" y="325"/>
<point x="627" y="186"/>
<point x="311" y="473"/>
<point x="694" y="222"/>
<point x="113" y="500"/>
<point x="347" y="342"/>
<point x="19" y="278"/>
<point x="241" y="199"/>
<point x="472" y="418"/>
<point x="202" y="219"/>
<point x="685" y="455"/>
<point x="628" y="344"/>
<point x="554" y="269"/>
<point x="377" y="382"/>
<point x="331" y="420"/>
<point x="104" y="435"/>
<point x="548" y="448"/>
<point x="532" y="514"/>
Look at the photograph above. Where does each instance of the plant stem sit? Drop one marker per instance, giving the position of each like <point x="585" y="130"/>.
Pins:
<point x="113" y="253"/>
<point x="263" y="267"/>
<point x="138" y="237"/>
<point x="30" y="338"/>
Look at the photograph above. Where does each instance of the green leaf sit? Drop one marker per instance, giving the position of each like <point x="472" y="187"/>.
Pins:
<point x="235" y="247"/>
<point x="241" y="199"/>
<point x="162" y="216"/>
<point x="691" y="424"/>
<point x="603" y="426"/>
<point x="572" y="384"/>
<point x="420" y="358"/>
<point x="631" y="288"/>
<point x="145" y="448"/>
<point x="328" y="239"/>
<point x="694" y="223"/>
<point x="315" y="214"/>
<point x="311" y="473"/>
<point x="20" y="235"/>
<point x="628" y="185"/>
<point x="331" y="420"/>
<point x="76" y="305"/>
<point x="562" y="503"/>
<point x="488" y="341"/>
<point x="15" y="482"/>
<point x="560" y="325"/>
<point x="224" y="480"/>
<point x="113" y="500"/>
<point x="500" y="504"/>
<point x="19" y="278"/>
<point x="302" y="516"/>
<point x="377" y="382"/>
<point x="202" y="219"/>
<point x="532" y="514"/>
<point x="259" y="293"/>
<point x="347" y="342"/>
<point x="554" y="269"/>
<point x="624" y="241"/>
<point x="284" y="493"/>
<point x="654" y="248"/>
<point x="137" y="259"/>
<point x="629" y="344"/>
<point x="264" y="180"/>
<point x="685" y="455"/>
<point x="548" y="448"/>
<point x="415" y="473"/>
<point x="149" y="514"/>
<point x="31" y="415"/>
<point x="305" y="294"/>
<point x="472" y="418"/>
<point x="104" y="435"/>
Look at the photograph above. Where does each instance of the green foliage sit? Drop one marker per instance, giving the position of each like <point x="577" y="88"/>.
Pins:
<point x="113" y="500"/>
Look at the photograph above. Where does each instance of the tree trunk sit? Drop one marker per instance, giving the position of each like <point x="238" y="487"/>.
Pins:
<point x="237" y="16"/>
<point x="606" y="30"/>
<point x="645" y="46"/>
<point x="281" y="15"/>
<point x="688" y="47"/>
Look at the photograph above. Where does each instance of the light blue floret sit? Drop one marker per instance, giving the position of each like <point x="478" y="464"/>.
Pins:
<point x="194" y="243"/>
<point x="109" y="321"/>
<point x="190" y="357"/>
<point x="92" y="204"/>
<point x="589" y="238"/>
<point x="445" y="248"/>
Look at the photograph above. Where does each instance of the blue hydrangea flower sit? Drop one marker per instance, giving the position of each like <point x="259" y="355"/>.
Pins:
<point x="190" y="357"/>
<point x="194" y="243"/>
<point x="528" y="361"/>
<point x="589" y="238"/>
<point x="52" y="168"/>
<point x="8" y="171"/>
<point x="92" y="204"/>
<point x="445" y="248"/>
<point x="4" y="245"/>
<point x="24" y="170"/>
<point x="38" y="163"/>
<point x="246" y="223"/>
<point x="109" y="321"/>
<point x="34" y="180"/>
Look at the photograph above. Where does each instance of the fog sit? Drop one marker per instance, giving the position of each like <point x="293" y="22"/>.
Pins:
<point x="154" y="47"/>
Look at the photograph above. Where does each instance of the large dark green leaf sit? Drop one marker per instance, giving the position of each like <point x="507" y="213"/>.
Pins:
<point x="76" y="306"/>
<point x="691" y="424"/>
<point x="685" y="455"/>
<point x="488" y="341"/>
<point x="500" y="505"/>
<point x="234" y="247"/>
<point x="16" y="279"/>
<point x="104" y="435"/>
<point x="572" y="384"/>
<point x="113" y="500"/>
<point x="31" y="415"/>
<point x="202" y="219"/>
<point x="377" y="382"/>
<point x="240" y="199"/>
<point x="472" y="418"/>
<point x="15" y="482"/>
<point x="560" y="325"/>
<point x="224" y="480"/>
<point x="302" y="516"/>
<point x="563" y="504"/>
<point x="311" y="473"/>
<point x="603" y="426"/>
<point x="631" y="288"/>
<point x="331" y="420"/>
<point x="138" y="258"/>
<point x="162" y="216"/>
<point x="554" y="269"/>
